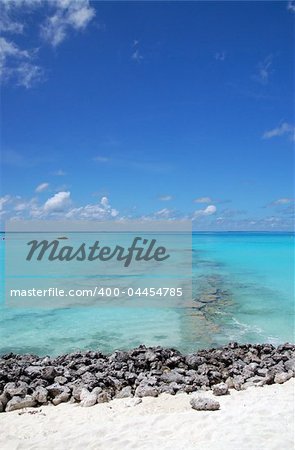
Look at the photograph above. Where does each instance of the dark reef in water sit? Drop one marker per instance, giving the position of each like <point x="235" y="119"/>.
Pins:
<point x="92" y="377"/>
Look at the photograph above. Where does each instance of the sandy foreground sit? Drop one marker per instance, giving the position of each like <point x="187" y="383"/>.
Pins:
<point x="258" y="418"/>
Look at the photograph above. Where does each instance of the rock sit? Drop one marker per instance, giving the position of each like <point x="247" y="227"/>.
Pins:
<point x="77" y="389"/>
<point x="255" y="381"/>
<point x="33" y="371"/>
<point x="61" y="398"/>
<point x="201" y="380"/>
<point x="282" y="377"/>
<point x="204" y="404"/>
<point x="230" y="382"/>
<point x="143" y="371"/>
<point x="290" y="365"/>
<point x="220" y="389"/>
<point x="125" y="392"/>
<point x="173" y="376"/>
<point x="168" y="389"/>
<point x="18" y="388"/>
<point x="89" y="399"/>
<point x="89" y="378"/>
<point x="151" y="356"/>
<point x="247" y="372"/>
<point x="84" y="393"/>
<point x="48" y="373"/>
<point x="56" y="389"/>
<point x="40" y="394"/>
<point x="1" y="407"/>
<point x="193" y="361"/>
<point x="262" y="372"/>
<point x="4" y="399"/>
<point x="238" y="382"/>
<point x="103" y="397"/>
<point x="60" y="380"/>
<point x="144" y="390"/>
<point x="18" y="403"/>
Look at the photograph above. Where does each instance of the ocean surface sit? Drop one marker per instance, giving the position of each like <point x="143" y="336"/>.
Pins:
<point x="251" y="276"/>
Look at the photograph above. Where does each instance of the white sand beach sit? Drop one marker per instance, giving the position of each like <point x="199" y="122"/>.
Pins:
<point x="257" y="419"/>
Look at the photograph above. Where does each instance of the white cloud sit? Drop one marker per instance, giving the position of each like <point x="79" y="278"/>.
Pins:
<point x="165" y="198"/>
<point x="282" y="201"/>
<point x="29" y="74"/>
<point x="98" y="211"/>
<point x="23" y="206"/>
<point x="3" y="200"/>
<point x="18" y="64"/>
<point x="136" y="56"/>
<point x="203" y="200"/>
<point x="68" y="14"/>
<point x="165" y="213"/>
<point x="291" y="6"/>
<point x="58" y="203"/>
<point x="208" y="211"/>
<point x="264" y="69"/>
<point x="8" y="25"/>
<point x="42" y="187"/>
<point x="285" y="129"/>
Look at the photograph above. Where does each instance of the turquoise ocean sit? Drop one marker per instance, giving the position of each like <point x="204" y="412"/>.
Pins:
<point x="250" y="274"/>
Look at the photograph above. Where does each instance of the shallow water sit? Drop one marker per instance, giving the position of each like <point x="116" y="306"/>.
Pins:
<point x="250" y="274"/>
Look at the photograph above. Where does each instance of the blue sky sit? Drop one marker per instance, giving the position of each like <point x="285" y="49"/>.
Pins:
<point x="144" y="109"/>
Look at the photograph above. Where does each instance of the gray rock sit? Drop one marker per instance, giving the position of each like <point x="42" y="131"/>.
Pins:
<point x="60" y="380"/>
<point x="56" y="389"/>
<point x="255" y="381"/>
<point x="48" y="373"/>
<point x="204" y="404"/>
<point x="167" y="389"/>
<point x="4" y="399"/>
<point x="89" y="399"/>
<point x="193" y="361"/>
<point x="201" y="380"/>
<point x="230" y="382"/>
<point x="151" y="356"/>
<point x="220" y="389"/>
<point x="18" y="403"/>
<point x="247" y="372"/>
<point x="1" y="407"/>
<point x="33" y="371"/>
<point x="18" y="388"/>
<point x="61" y="398"/>
<point x="103" y="397"/>
<point x="125" y="392"/>
<point x="173" y="376"/>
<point x="77" y="389"/>
<point x="290" y="365"/>
<point x="40" y="394"/>
<point x="282" y="377"/>
<point x="238" y="382"/>
<point x="144" y="390"/>
<point x="89" y="378"/>
<point x="262" y="372"/>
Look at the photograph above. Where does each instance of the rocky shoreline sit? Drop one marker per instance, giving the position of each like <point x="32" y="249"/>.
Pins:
<point x="92" y="377"/>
